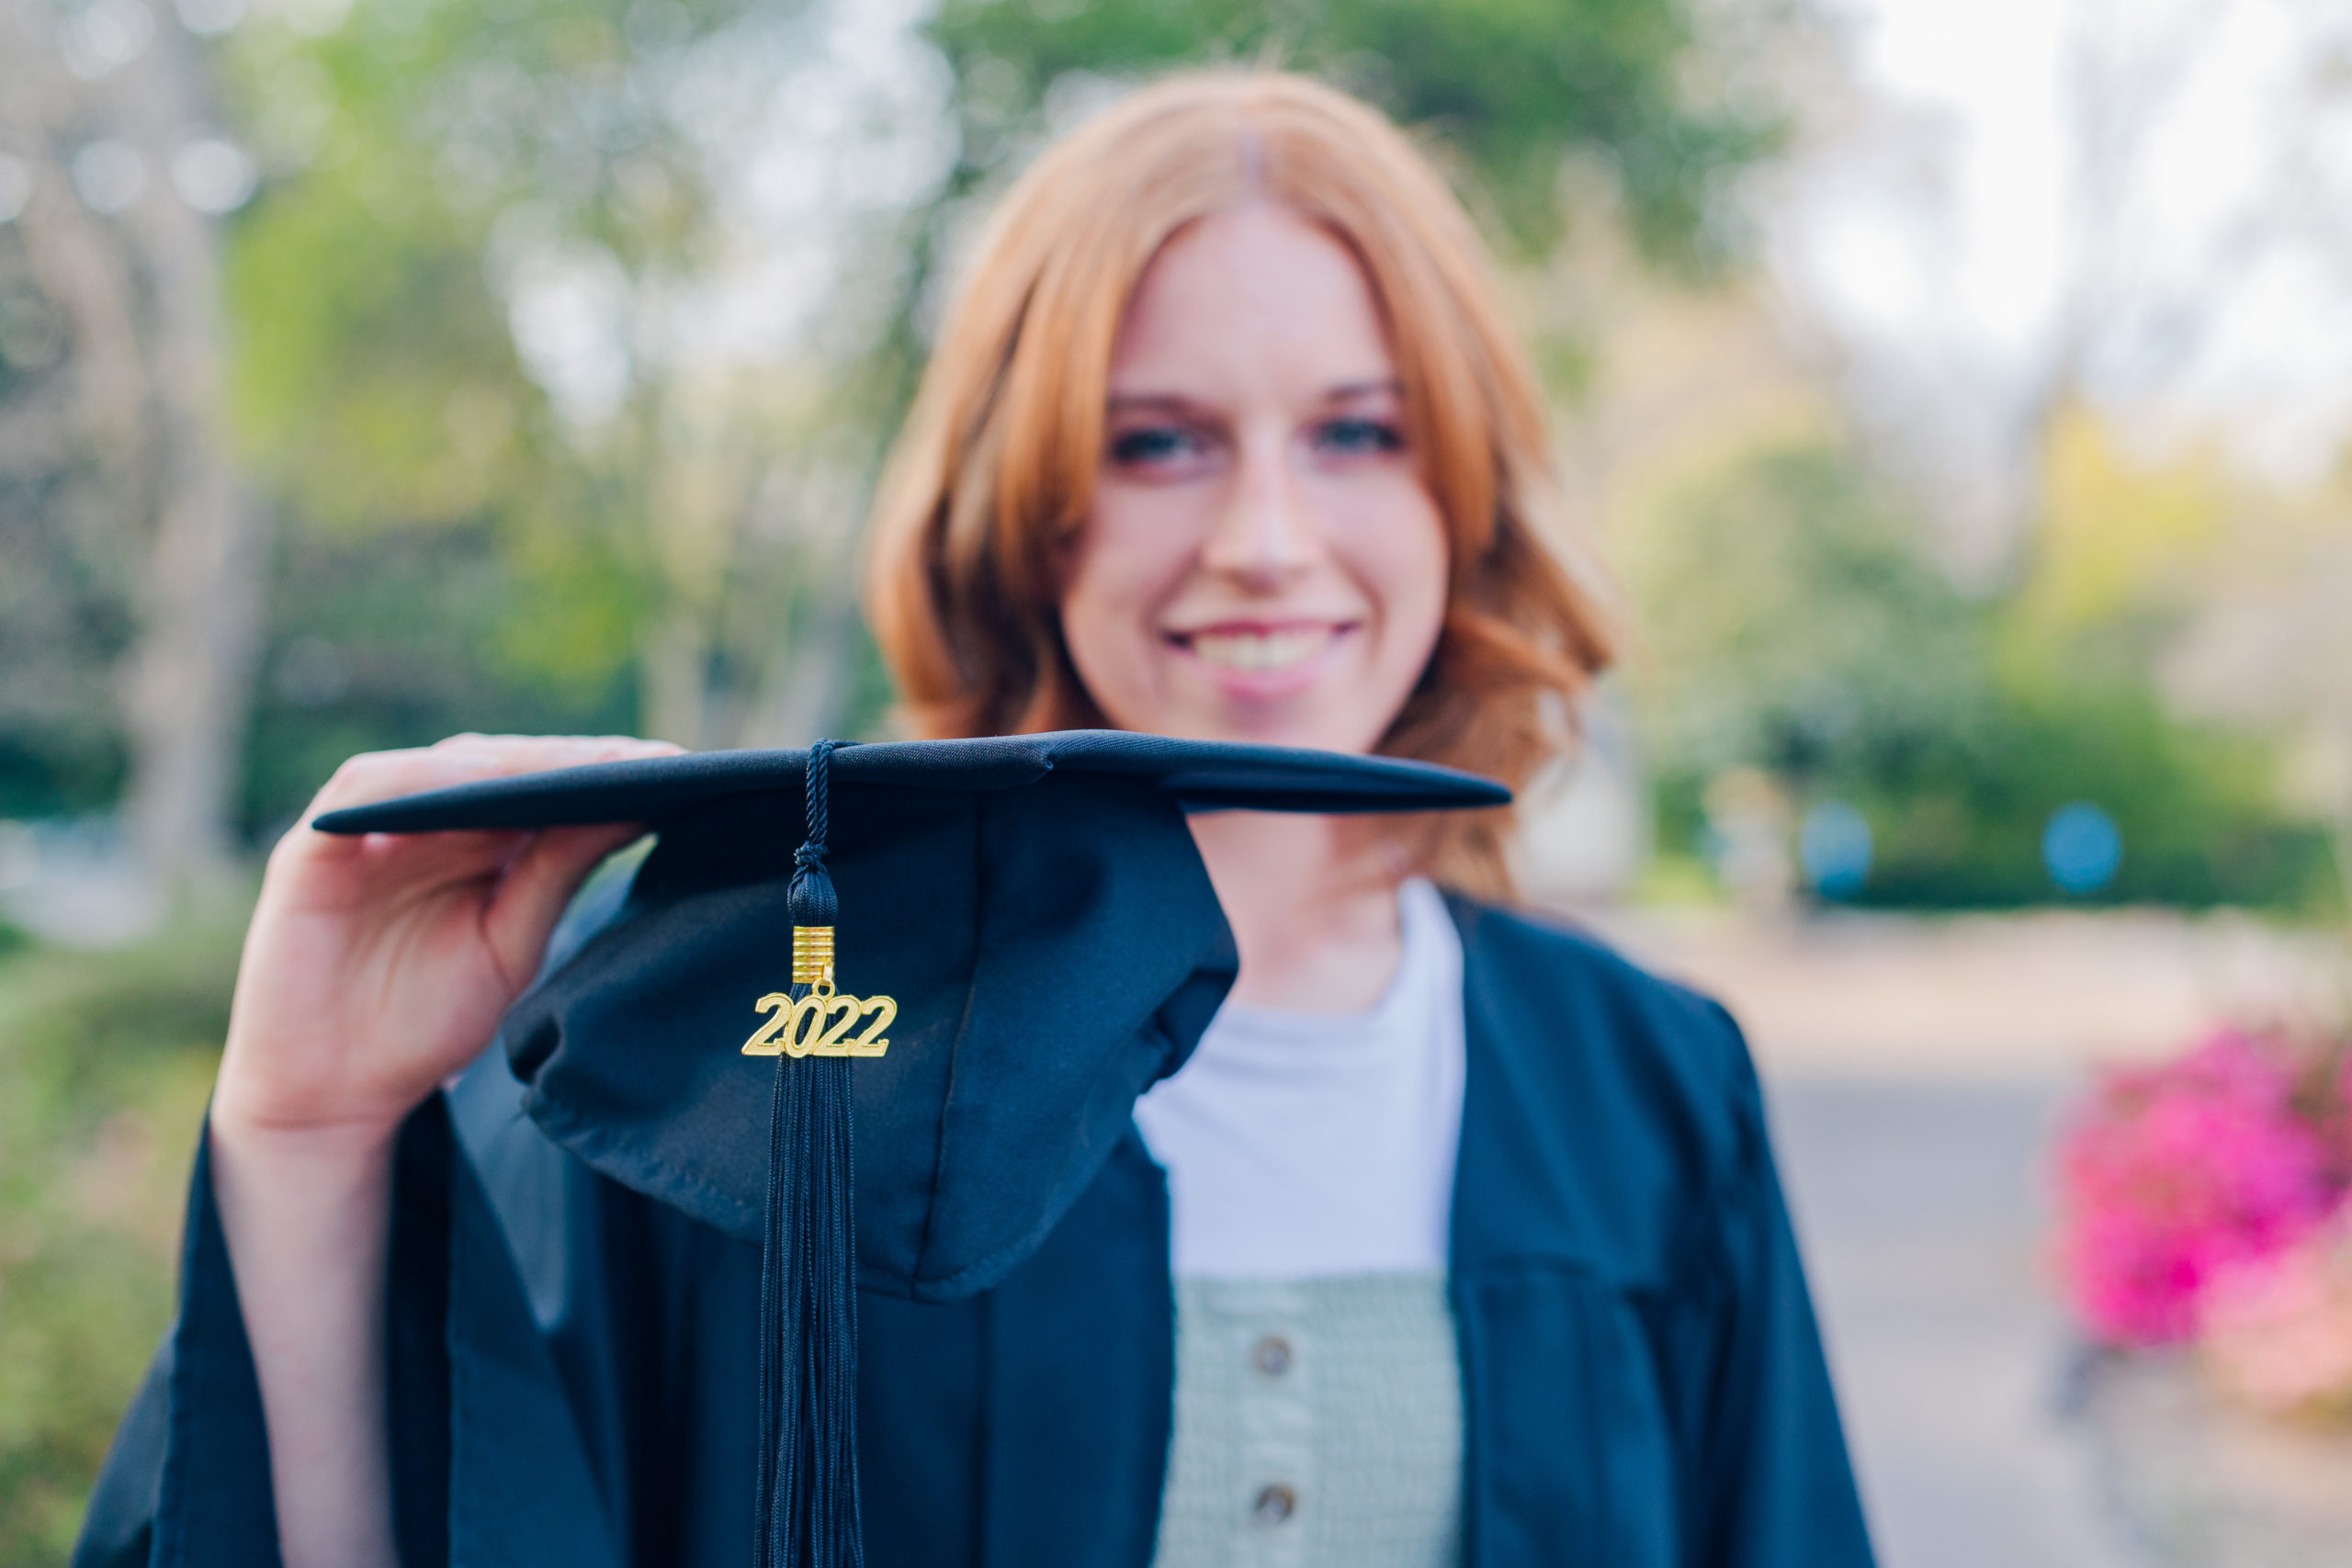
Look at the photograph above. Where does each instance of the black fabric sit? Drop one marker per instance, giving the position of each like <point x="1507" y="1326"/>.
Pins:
<point x="1033" y="904"/>
<point x="1026" y="916"/>
<point x="119" y="1528"/>
<point x="416" y="1348"/>
<point x="1643" y="1378"/>
<point x="1053" y="950"/>
<point x="1198" y="775"/>
<point x="562" y="1327"/>
<point x="213" y="1501"/>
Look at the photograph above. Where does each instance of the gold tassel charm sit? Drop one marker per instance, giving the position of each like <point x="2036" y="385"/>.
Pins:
<point x="812" y="957"/>
<point x="820" y="1023"/>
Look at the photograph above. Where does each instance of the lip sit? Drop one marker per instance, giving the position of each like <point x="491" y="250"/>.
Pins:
<point x="1252" y="660"/>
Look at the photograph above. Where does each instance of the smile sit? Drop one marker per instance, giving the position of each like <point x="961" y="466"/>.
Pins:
<point x="1260" y="649"/>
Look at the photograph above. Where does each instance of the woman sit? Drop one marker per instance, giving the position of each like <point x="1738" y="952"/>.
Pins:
<point x="1479" y="1249"/>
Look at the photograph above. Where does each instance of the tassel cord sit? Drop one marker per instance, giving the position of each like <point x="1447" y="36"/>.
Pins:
<point x="807" y="1490"/>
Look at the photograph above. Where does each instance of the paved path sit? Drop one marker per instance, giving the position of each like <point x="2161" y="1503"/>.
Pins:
<point x="1916" y="1070"/>
<point x="1918" y="1206"/>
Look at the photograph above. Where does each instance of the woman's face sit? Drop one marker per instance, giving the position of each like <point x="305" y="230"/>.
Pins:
<point x="1262" y="561"/>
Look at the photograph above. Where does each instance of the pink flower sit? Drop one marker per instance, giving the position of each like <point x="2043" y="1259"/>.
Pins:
<point x="2176" y="1172"/>
<point x="2278" y="1334"/>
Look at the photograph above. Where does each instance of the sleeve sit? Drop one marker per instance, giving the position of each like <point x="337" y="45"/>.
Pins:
<point x="119" y="1528"/>
<point x="1775" y="1488"/>
<point x="472" y="1394"/>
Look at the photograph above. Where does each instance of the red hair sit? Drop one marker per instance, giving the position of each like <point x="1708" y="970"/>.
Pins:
<point x="997" y="463"/>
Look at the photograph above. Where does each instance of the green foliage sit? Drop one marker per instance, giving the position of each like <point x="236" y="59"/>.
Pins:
<point x="1794" y="627"/>
<point x="60" y="769"/>
<point x="1797" y="629"/>
<point x="440" y="153"/>
<point x="416" y="149"/>
<point x="375" y="378"/>
<point x="454" y="558"/>
<point x="400" y="638"/>
<point x="108" y="1059"/>
<point x="64" y="622"/>
<point x="1513" y="86"/>
<point x="2196" y="806"/>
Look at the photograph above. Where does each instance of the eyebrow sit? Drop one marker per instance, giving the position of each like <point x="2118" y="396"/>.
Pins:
<point x="1177" y="402"/>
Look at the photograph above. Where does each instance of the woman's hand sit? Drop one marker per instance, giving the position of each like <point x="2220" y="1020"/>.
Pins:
<point x="377" y="965"/>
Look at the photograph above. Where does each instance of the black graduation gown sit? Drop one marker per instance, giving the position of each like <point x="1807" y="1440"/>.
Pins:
<point x="572" y="1362"/>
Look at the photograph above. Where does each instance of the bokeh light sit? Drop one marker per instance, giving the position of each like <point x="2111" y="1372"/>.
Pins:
<point x="2082" y="848"/>
<point x="1834" y="847"/>
<point x="108" y="176"/>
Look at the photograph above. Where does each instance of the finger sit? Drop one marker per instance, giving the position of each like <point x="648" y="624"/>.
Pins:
<point x="424" y="860"/>
<point x="361" y="780"/>
<point x="533" y="894"/>
<point x="570" y="748"/>
<point x="373" y="776"/>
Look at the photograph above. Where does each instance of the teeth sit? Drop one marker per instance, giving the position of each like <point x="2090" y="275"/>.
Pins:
<point x="1259" y="650"/>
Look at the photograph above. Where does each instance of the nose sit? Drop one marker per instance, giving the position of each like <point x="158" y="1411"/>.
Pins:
<point x="1265" y="531"/>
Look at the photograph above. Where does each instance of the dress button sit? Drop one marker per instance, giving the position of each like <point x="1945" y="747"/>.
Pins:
<point x="1274" y="1505"/>
<point x="1271" y="1355"/>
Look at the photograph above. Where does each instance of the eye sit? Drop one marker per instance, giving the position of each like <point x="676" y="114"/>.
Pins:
<point x="1154" y="444"/>
<point x="1353" y="435"/>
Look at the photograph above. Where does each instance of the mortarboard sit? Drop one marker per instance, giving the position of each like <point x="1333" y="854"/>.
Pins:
<point x="1011" y="937"/>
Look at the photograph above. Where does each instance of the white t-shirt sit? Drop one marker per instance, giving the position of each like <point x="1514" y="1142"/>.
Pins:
<point x="1306" y="1143"/>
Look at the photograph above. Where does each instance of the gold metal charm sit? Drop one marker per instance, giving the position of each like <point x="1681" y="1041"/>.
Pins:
<point x="819" y="1024"/>
<point x="812" y="955"/>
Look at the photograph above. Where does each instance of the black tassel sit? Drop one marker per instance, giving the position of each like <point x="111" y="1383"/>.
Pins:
<point x="806" y="1495"/>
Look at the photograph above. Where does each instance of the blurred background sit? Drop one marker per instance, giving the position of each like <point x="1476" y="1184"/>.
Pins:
<point x="1960" y="389"/>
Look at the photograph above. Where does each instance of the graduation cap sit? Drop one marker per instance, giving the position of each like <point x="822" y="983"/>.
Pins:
<point x="978" y="950"/>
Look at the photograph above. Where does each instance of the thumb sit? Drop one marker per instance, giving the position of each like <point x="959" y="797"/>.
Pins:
<point x="537" y="886"/>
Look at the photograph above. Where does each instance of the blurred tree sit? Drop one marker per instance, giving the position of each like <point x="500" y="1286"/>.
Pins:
<point x="391" y="638"/>
<point x="482" y="313"/>
<point x="2122" y="538"/>
<point x="448" y="170"/>
<point x="456" y="187"/>
<point x="1975" y="344"/>
<point x="106" y="113"/>
<point x="1511" y="86"/>
<point x="2232" y="590"/>
<point x="1792" y="625"/>
<point x="497" y="282"/>
<point x="1798" y="627"/>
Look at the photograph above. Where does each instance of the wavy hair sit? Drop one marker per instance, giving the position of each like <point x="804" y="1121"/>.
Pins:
<point x="996" y="464"/>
